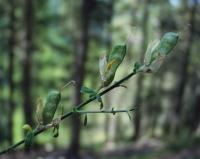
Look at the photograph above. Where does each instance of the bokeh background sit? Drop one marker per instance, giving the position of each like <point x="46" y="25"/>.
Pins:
<point x="46" y="43"/>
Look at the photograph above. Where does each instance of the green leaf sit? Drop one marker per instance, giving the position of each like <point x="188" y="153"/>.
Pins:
<point x="108" y="64"/>
<point x="92" y="95"/>
<point x="102" y="66"/>
<point x="136" y="66"/>
<point x="168" y="42"/>
<point x="39" y="109"/>
<point x="75" y="110"/>
<point x="151" y="53"/>
<point x="56" y="131"/>
<point x="51" y="104"/>
<point x="27" y="128"/>
<point x="157" y="51"/>
<point x="28" y="141"/>
<point x="87" y="90"/>
<point x="85" y="120"/>
<point x="118" y="53"/>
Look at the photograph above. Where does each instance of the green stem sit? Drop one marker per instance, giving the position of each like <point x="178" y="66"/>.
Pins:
<point x="78" y="107"/>
<point x="104" y="111"/>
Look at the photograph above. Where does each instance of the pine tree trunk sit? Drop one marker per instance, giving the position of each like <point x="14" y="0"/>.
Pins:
<point x="79" y="75"/>
<point x="184" y="64"/>
<point x="11" y="69"/>
<point x="27" y="62"/>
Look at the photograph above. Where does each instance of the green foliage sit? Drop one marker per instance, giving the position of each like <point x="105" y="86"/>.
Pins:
<point x="158" y="51"/>
<point x="89" y="91"/>
<point x="92" y="93"/>
<point x="50" y="106"/>
<point x="56" y="130"/>
<point x="28" y="140"/>
<point x="108" y="64"/>
<point x="136" y="66"/>
<point x="168" y="42"/>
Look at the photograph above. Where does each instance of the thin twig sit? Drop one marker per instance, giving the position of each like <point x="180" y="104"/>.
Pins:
<point x="104" y="111"/>
<point x="116" y="84"/>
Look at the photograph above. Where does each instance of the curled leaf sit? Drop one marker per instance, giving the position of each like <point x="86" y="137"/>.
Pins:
<point x="108" y="64"/>
<point x="102" y="66"/>
<point x="56" y="131"/>
<point x="50" y="106"/>
<point x="158" y="50"/>
<point x="27" y="128"/>
<point x="168" y="42"/>
<point x="151" y="53"/>
<point x="39" y="108"/>
<point x="87" y="90"/>
<point x="136" y="66"/>
<point x="28" y="140"/>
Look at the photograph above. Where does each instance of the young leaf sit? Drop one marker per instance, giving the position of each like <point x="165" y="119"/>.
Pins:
<point x="85" y="120"/>
<point x="136" y="66"/>
<point x="27" y="128"/>
<point x="151" y="53"/>
<point x="39" y="107"/>
<point x="50" y="106"/>
<point x="108" y="64"/>
<point x="102" y="66"/>
<point x="168" y="42"/>
<point x="157" y="51"/>
<point x="56" y="131"/>
<point x="28" y="141"/>
<point x="87" y="90"/>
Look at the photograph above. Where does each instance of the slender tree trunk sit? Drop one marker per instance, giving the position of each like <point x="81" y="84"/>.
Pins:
<point x="79" y="74"/>
<point x="185" y="64"/>
<point x="27" y="63"/>
<point x="138" y="97"/>
<point x="194" y="116"/>
<point x="11" y="69"/>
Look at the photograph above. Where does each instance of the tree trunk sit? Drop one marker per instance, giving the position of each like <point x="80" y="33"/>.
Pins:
<point x="184" y="64"/>
<point x="11" y="70"/>
<point x="194" y="116"/>
<point x="27" y="63"/>
<point x="138" y="97"/>
<point x="79" y="74"/>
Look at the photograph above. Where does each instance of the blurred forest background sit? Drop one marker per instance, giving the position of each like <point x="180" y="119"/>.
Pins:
<point x="46" y="43"/>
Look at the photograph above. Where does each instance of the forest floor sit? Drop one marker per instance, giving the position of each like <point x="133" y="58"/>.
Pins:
<point x="150" y="149"/>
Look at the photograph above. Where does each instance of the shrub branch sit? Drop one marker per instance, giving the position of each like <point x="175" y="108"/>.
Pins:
<point x="116" y="84"/>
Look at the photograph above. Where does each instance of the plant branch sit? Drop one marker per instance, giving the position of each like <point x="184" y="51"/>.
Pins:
<point x="116" y="84"/>
<point x="112" y="111"/>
